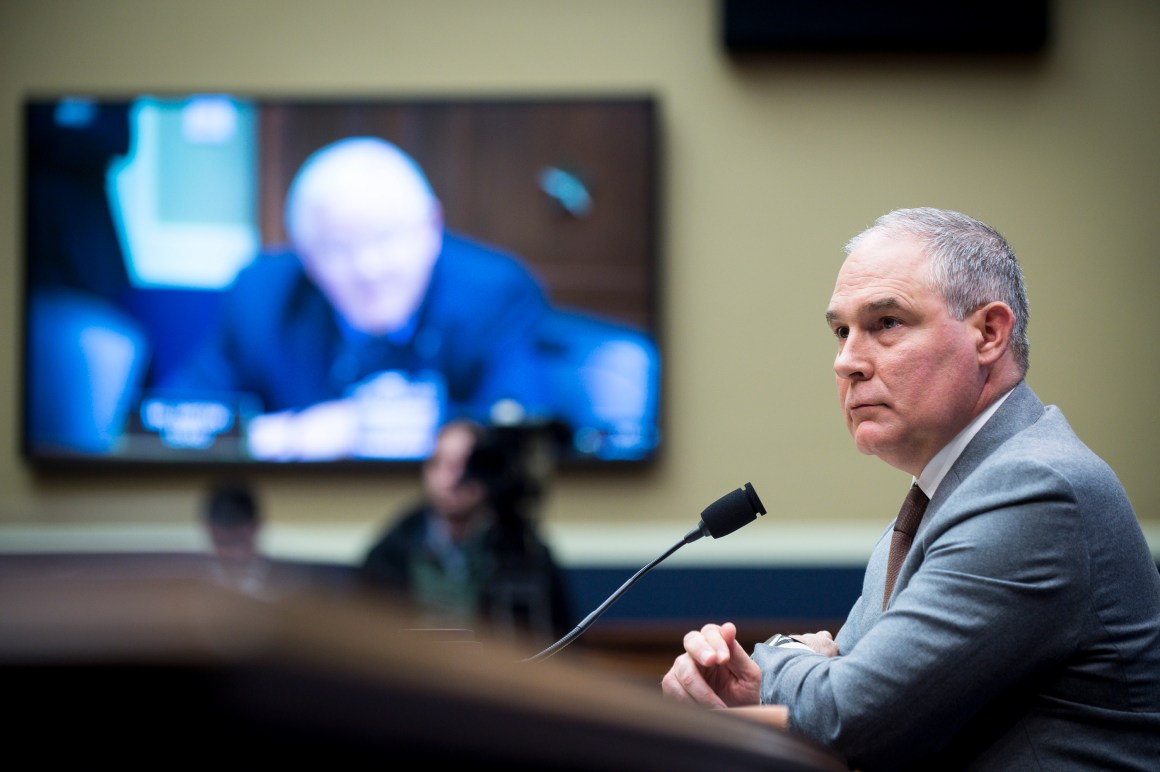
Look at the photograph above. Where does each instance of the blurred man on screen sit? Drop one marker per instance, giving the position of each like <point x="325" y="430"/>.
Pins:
<point x="377" y="325"/>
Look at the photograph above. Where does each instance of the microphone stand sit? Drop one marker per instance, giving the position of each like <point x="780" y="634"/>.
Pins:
<point x="587" y="622"/>
<point x="722" y="517"/>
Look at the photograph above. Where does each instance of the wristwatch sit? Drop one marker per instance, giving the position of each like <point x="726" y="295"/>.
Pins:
<point x="783" y="640"/>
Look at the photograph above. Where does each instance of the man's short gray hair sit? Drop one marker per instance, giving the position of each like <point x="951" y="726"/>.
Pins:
<point x="971" y="264"/>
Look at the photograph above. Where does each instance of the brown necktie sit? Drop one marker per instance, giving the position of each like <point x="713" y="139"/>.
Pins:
<point x="904" y="527"/>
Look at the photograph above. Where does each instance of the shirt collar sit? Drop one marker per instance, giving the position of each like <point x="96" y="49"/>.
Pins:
<point x="936" y="469"/>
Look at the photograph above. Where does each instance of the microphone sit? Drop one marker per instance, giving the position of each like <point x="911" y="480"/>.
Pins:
<point x="721" y="518"/>
<point x="727" y="514"/>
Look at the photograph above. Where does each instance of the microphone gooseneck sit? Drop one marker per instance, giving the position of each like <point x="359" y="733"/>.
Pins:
<point x="721" y="518"/>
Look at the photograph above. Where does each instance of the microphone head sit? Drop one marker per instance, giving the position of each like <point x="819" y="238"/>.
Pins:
<point x="731" y="511"/>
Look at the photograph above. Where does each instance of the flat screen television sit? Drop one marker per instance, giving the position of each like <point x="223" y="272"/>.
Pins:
<point x="169" y="319"/>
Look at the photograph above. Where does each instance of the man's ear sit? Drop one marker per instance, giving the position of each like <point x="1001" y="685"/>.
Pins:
<point x="994" y="323"/>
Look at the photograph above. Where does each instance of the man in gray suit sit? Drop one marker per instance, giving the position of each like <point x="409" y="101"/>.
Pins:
<point x="1023" y="628"/>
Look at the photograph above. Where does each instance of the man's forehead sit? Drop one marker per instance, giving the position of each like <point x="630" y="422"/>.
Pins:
<point x="871" y="306"/>
<point x="883" y="264"/>
<point x="886" y="248"/>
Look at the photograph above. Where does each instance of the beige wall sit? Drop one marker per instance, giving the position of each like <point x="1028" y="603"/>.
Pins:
<point x="769" y="167"/>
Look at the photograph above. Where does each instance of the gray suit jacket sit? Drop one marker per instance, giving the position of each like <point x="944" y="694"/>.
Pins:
<point x="1023" y="631"/>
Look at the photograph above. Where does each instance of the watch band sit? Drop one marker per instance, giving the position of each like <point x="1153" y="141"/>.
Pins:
<point x="780" y="640"/>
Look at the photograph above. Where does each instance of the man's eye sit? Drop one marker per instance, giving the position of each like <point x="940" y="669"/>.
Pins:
<point x="889" y="322"/>
<point x="841" y="333"/>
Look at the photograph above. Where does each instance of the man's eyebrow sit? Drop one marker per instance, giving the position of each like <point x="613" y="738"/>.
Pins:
<point x="889" y="303"/>
<point x="885" y="304"/>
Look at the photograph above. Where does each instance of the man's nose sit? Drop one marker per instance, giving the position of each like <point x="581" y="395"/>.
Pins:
<point x="852" y="361"/>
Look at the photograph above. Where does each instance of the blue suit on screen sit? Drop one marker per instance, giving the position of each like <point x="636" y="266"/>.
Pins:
<point x="280" y="340"/>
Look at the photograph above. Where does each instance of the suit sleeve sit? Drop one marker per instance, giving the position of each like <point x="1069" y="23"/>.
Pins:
<point x="514" y="371"/>
<point x="487" y="308"/>
<point x="1000" y="586"/>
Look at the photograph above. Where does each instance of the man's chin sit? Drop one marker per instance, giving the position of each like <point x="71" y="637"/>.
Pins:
<point x="868" y="439"/>
<point x="375" y="327"/>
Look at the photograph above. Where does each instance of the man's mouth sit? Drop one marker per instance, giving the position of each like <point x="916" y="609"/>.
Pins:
<point x="861" y="406"/>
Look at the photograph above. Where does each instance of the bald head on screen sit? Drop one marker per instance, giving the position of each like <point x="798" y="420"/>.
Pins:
<point x="368" y="229"/>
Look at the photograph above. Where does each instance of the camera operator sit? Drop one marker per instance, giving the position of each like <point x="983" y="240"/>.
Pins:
<point x="468" y="553"/>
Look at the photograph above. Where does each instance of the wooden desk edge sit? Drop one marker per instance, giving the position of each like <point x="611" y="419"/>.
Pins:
<point x="771" y="715"/>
